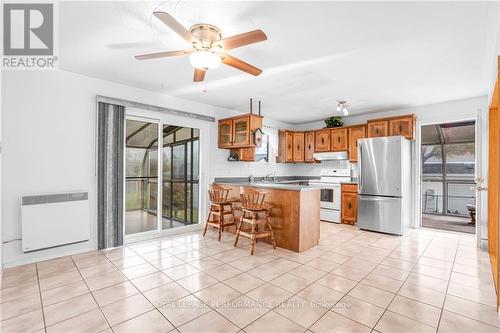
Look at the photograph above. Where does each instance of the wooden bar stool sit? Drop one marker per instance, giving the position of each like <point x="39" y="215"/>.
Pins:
<point x="218" y="203"/>
<point x="253" y="212"/>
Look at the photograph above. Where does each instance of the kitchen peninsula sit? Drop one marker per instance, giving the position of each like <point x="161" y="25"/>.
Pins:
<point x="294" y="214"/>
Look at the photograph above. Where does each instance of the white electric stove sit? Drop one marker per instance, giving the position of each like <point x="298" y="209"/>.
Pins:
<point x="329" y="183"/>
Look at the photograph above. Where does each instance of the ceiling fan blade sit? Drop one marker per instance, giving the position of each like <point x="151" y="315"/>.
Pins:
<point x="243" y="39"/>
<point x="240" y="64"/>
<point x="176" y="26"/>
<point x="163" y="54"/>
<point x="199" y="75"/>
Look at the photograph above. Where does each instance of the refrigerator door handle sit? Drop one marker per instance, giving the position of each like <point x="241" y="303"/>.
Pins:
<point x="370" y="198"/>
<point x="360" y="181"/>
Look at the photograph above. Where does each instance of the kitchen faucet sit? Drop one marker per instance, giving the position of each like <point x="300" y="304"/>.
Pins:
<point x="268" y="177"/>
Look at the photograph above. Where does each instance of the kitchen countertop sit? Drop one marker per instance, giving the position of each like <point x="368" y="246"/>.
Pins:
<point x="283" y="183"/>
<point x="353" y="181"/>
<point x="271" y="185"/>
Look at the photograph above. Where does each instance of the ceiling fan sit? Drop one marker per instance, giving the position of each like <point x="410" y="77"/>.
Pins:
<point x="208" y="47"/>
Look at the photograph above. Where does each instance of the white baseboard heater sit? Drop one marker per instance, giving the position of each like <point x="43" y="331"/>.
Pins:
<point x="51" y="220"/>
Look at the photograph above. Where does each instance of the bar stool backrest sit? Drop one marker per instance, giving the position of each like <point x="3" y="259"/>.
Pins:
<point x="218" y="194"/>
<point x="252" y="199"/>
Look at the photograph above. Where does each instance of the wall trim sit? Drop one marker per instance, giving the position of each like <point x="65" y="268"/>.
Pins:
<point x="127" y="103"/>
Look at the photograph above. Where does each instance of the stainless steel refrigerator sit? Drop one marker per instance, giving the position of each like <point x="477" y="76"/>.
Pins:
<point x="384" y="190"/>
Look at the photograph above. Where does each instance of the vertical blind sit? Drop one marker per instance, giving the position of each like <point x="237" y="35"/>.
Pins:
<point x="110" y="142"/>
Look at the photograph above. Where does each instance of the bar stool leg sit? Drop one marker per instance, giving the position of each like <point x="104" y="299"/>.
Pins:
<point x="270" y="229"/>
<point x="232" y="214"/>
<point x="239" y="228"/>
<point x="221" y="218"/>
<point x="252" y="239"/>
<point x="208" y="219"/>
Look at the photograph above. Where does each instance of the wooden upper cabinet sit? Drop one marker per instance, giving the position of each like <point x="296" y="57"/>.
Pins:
<point x="309" y="147"/>
<point x="237" y="132"/>
<point x="322" y="140"/>
<point x="285" y="146"/>
<point x="339" y="138"/>
<point x="355" y="133"/>
<point x="404" y="126"/>
<point x="378" y="128"/>
<point x="298" y="146"/>
<point x="225" y="133"/>
<point x="241" y="132"/>
<point x="301" y="146"/>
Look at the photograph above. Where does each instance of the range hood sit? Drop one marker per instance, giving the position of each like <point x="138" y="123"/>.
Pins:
<point x="337" y="155"/>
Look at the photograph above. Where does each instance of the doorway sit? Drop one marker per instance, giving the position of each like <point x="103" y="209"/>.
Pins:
<point x="161" y="176"/>
<point x="448" y="199"/>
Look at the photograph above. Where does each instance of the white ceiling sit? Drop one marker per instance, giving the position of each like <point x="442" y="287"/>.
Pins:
<point x="375" y="55"/>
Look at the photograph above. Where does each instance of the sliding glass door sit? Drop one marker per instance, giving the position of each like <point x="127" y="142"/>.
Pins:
<point x="158" y="153"/>
<point x="180" y="176"/>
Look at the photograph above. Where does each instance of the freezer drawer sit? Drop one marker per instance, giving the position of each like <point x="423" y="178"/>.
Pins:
<point x="381" y="214"/>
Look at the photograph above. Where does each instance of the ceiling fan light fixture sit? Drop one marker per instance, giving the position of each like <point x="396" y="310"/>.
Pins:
<point x="345" y="111"/>
<point x="205" y="59"/>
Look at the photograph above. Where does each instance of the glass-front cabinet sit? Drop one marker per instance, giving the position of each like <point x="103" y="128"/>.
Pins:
<point x="225" y="133"/>
<point x="241" y="132"/>
<point x="237" y="132"/>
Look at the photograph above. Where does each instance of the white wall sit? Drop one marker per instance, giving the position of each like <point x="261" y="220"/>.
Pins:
<point x="49" y="140"/>
<point x="434" y="113"/>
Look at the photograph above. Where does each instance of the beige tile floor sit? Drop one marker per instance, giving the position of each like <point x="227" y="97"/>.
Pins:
<point x="354" y="281"/>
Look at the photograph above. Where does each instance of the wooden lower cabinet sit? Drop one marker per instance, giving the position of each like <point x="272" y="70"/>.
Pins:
<point x="349" y="206"/>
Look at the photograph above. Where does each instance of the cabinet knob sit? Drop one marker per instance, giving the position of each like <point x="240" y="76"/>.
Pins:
<point x="322" y="140"/>
<point x="349" y="205"/>
<point x="338" y="139"/>
<point x="400" y="128"/>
